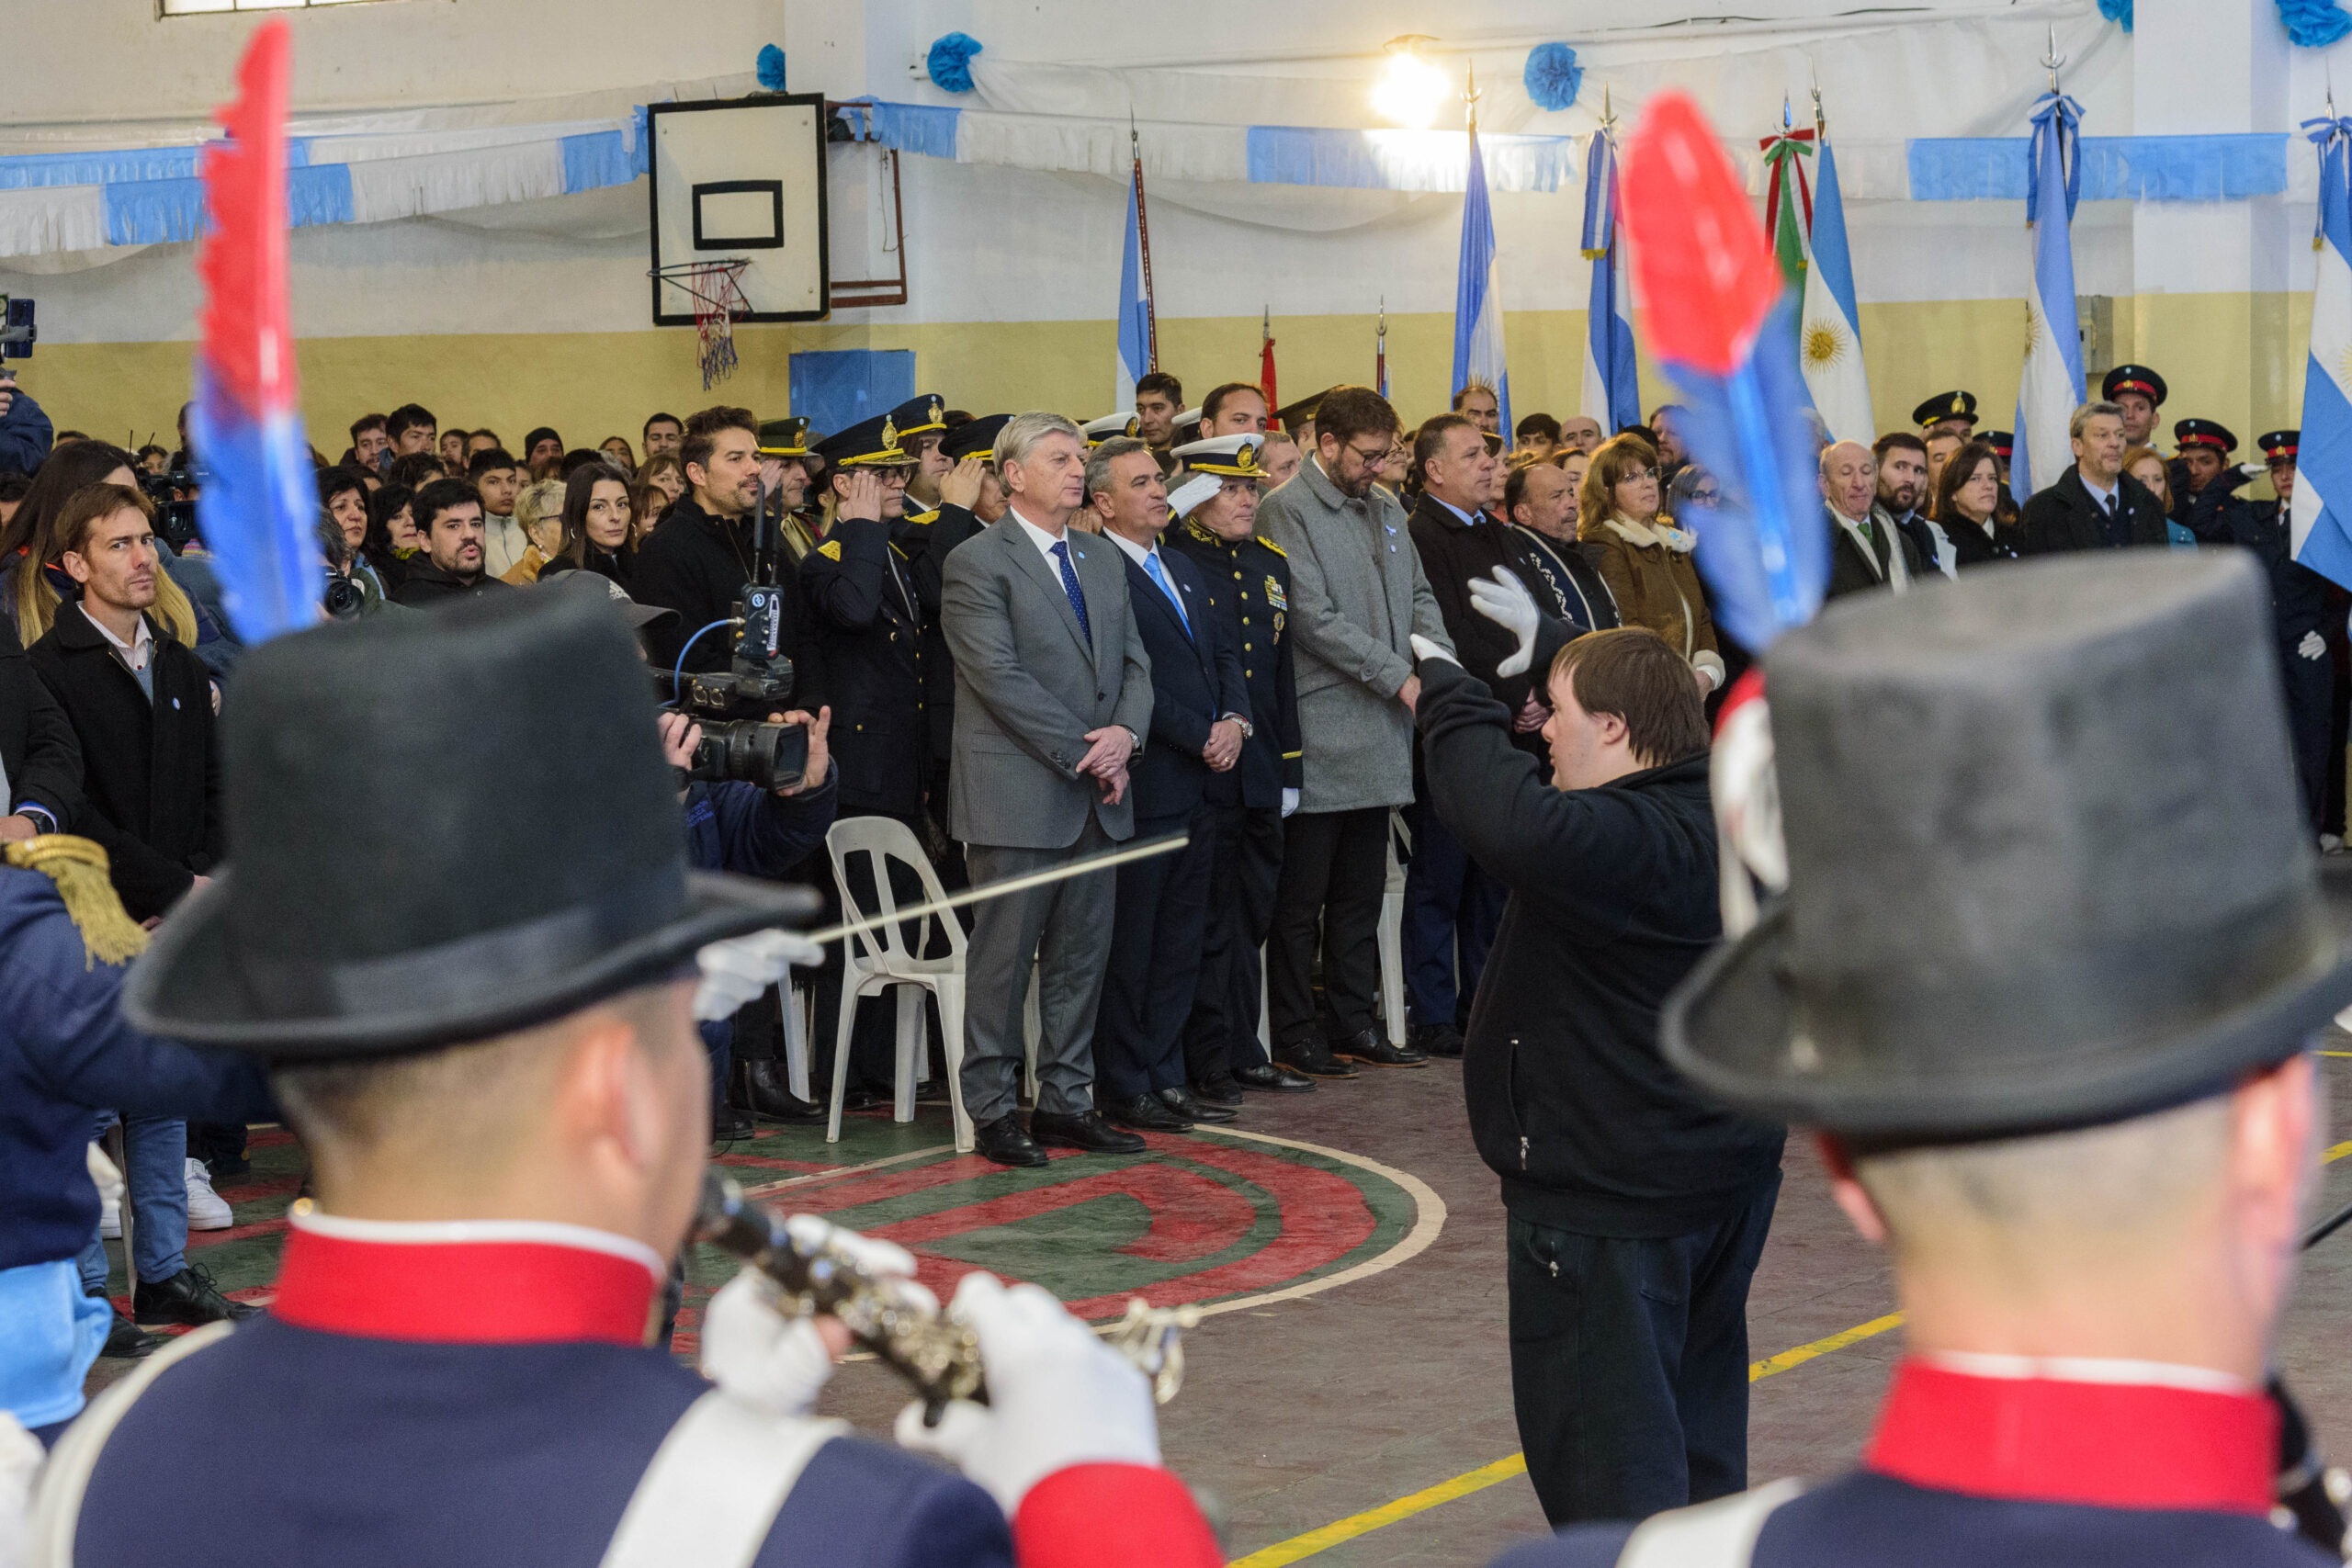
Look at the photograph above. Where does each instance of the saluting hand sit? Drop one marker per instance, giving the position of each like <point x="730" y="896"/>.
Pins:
<point x="961" y="485"/>
<point x="863" y="500"/>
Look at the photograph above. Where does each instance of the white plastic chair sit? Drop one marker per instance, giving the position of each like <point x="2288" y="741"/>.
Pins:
<point x="797" y="1000"/>
<point x="1392" y="931"/>
<point x="875" y="958"/>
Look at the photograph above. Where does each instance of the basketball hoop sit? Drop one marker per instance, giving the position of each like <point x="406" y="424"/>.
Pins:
<point x="717" y="290"/>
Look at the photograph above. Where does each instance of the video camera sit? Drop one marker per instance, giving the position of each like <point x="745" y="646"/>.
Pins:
<point x="174" y="494"/>
<point x="732" y="706"/>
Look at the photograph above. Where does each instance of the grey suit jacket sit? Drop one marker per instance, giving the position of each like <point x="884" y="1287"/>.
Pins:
<point x="1029" y="685"/>
<point x="1357" y="592"/>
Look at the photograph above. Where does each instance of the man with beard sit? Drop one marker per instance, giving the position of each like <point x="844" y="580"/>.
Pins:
<point x="698" y="559"/>
<point x="1902" y="497"/>
<point x="448" y="519"/>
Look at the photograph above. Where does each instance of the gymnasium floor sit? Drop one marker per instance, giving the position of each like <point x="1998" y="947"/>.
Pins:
<point x="1348" y="1402"/>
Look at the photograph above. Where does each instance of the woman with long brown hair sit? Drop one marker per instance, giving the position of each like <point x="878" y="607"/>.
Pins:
<point x="1969" y="504"/>
<point x="1644" y="558"/>
<point x="596" y="526"/>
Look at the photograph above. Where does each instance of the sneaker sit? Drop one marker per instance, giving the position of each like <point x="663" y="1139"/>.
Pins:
<point x="207" y="1210"/>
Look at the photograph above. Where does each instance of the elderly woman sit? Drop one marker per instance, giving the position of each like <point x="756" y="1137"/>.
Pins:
<point x="1645" y="559"/>
<point x="538" y="509"/>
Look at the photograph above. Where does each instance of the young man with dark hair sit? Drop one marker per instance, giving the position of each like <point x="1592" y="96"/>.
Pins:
<point x="1617" y="1174"/>
<point x="499" y="478"/>
<point x="1537" y="436"/>
<point x="662" y="433"/>
<point x="370" y="441"/>
<point x="448" y="519"/>
<point x="1236" y="408"/>
<point x="412" y="428"/>
<point x="483" y="440"/>
<point x="1160" y="397"/>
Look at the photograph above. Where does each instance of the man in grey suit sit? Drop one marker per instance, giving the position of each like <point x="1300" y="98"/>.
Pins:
<point x="1052" y="697"/>
<point x="1357" y="593"/>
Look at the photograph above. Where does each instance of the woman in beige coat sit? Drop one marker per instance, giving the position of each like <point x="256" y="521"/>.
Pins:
<point x="1646" y="560"/>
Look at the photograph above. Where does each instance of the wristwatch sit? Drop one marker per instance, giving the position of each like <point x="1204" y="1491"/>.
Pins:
<point x="1248" y="728"/>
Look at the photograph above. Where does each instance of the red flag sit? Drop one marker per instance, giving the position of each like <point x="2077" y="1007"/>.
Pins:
<point x="1266" y="362"/>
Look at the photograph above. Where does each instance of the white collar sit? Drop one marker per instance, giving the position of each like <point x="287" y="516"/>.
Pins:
<point x="1140" y="553"/>
<point x="445" y="1233"/>
<point x="2086" y="1369"/>
<point x="1468" y="518"/>
<point x="2101" y="496"/>
<point x="1045" y="542"/>
<point x="134" y="653"/>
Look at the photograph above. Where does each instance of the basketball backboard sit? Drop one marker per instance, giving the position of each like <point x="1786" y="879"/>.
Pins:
<point x="741" y="179"/>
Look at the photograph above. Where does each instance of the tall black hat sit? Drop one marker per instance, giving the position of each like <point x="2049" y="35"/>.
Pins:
<point x="2047" y="864"/>
<point x="384" y="894"/>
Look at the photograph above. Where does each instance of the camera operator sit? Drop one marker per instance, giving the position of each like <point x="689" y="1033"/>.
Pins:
<point x="25" y="434"/>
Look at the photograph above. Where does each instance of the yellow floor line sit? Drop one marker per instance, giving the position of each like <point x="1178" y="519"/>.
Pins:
<point x="1300" y="1547"/>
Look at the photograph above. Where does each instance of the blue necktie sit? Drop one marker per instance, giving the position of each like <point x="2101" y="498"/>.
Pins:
<point x="1152" y="565"/>
<point x="1070" y="586"/>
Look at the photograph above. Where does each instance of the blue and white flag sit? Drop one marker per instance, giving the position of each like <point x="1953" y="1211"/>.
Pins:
<point x="1478" y="295"/>
<point x="1134" y="305"/>
<point x="2051" y="386"/>
<point x="1831" y="336"/>
<point x="1613" y="394"/>
<point x="2322" y="515"/>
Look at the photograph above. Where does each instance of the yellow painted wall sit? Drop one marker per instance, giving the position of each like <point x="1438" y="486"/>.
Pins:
<point x="2235" y="357"/>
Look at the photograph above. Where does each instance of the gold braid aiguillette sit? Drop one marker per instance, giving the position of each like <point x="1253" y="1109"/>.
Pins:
<point x="78" y="866"/>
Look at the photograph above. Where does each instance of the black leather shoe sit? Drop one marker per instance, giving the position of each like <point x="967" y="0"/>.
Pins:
<point x="1312" y="1059"/>
<point x="1220" y="1090"/>
<point x="189" y="1297"/>
<point x="126" y="1341"/>
<point x="764" y="1088"/>
<point x="1185" y="1104"/>
<point x="1004" y="1142"/>
<point x="1087" y="1130"/>
<point x="1273" y="1078"/>
<point x="1146" y="1113"/>
<point x="1371" y="1047"/>
<point x="728" y="1125"/>
<point x="1436" y="1040"/>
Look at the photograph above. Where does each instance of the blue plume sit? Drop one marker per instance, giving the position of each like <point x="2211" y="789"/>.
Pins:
<point x="1553" y="75"/>
<point x="1765" y="550"/>
<point x="950" y="62"/>
<point x="771" y="68"/>
<point x="257" y="513"/>
<point x="2313" y="24"/>
<point x="2117" y="11"/>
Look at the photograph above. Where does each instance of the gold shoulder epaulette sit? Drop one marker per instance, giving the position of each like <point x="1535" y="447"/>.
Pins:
<point x="78" y="866"/>
<point x="1271" y="546"/>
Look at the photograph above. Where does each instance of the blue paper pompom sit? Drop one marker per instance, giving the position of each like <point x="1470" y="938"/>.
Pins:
<point x="2117" y="11"/>
<point x="771" y="68"/>
<point x="950" y="62"/>
<point x="2314" y="23"/>
<point x="1553" y="75"/>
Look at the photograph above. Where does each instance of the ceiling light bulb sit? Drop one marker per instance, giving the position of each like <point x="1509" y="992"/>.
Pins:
<point x="1409" y="89"/>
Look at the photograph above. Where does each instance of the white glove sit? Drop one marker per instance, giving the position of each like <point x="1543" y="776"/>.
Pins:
<point x="775" y="1364"/>
<point x="1506" y="602"/>
<point x="2314" y="646"/>
<point x="1189" y="496"/>
<point x="736" y="971"/>
<point x="1057" y="1396"/>
<point x="1289" y="801"/>
<point x="20" y="1461"/>
<point x="1427" y="647"/>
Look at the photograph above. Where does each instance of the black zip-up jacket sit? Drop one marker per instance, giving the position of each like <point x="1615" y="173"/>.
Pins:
<point x="1612" y="900"/>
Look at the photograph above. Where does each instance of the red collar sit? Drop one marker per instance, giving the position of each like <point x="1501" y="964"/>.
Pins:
<point x="465" y="1283"/>
<point x="2043" y="1438"/>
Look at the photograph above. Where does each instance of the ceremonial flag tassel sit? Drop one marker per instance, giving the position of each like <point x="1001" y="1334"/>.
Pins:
<point x="2322" y="513"/>
<point x="1716" y="314"/>
<point x="1266" y="361"/>
<point x="1789" y="223"/>
<point x="1831" y="335"/>
<point x="257" y="506"/>
<point x="1613" y="393"/>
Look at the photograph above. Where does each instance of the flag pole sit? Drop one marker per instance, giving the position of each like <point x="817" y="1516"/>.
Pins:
<point x="1143" y="243"/>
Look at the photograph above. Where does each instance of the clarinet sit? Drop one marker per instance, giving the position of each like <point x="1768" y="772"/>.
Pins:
<point x="935" y="1354"/>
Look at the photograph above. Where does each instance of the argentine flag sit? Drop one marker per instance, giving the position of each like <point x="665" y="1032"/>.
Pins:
<point x="2052" y="387"/>
<point x="2322" y="519"/>
<point x="1478" y="295"/>
<point x="1612" y="395"/>
<point x="1135" y="310"/>
<point x="1831" y="336"/>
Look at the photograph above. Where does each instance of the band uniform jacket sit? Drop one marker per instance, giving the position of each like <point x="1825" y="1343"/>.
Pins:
<point x="1195" y="681"/>
<point x="864" y="641"/>
<point x="1357" y="595"/>
<point x="1030" y="684"/>
<point x="150" y="770"/>
<point x="2064" y="517"/>
<point x="1248" y="583"/>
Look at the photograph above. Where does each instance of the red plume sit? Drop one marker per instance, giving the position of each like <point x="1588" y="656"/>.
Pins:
<point x="248" y="324"/>
<point x="1703" y="274"/>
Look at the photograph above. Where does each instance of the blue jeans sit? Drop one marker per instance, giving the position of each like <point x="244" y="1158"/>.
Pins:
<point x="156" y="1150"/>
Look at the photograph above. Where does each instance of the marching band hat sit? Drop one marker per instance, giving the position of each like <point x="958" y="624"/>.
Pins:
<point x="2280" y="445"/>
<point x="974" y="437"/>
<point x="2003" y="443"/>
<point x="783" y="437"/>
<point x="1944" y="406"/>
<point x="919" y="414"/>
<point x="1124" y="422"/>
<point x="2204" y="433"/>
<point x="2133" y="919"/>
<point x="378" y="900"/>
<point x="870" y="442"/>
<point x="2133" y="378"/>
<point x="1235" y="455"/>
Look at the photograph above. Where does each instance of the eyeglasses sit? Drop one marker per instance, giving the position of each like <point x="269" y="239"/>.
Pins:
<point x="1377" y="454"/>
<point x="1706" y="497"/>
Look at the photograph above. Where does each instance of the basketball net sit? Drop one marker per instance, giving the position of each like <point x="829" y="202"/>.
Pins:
<point x="718" y="296"/>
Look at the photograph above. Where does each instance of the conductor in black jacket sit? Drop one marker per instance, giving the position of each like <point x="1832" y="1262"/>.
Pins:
<point x="1200" y="720"/>
<point x="1637" y="1208"/>
<point x="2095" y="505"/>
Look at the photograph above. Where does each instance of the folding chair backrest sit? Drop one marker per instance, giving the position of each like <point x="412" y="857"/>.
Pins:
<point x="882" y="840"/>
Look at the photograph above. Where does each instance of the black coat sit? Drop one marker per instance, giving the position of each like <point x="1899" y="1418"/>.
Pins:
<point x="39" y="754"/>
<point x="927" y="547"/>
<point x="427" y="585"/>
<point x="1613" y="899"/>
<point x="2216" y="514"/>
<point x="865" y="640"/>
<point x="1195" y="679"/>
<point x="1249" y="586"/>
<point x="1848" y="572"/>
<point x="1971" y="545"/>
<point x="697" y="564"/>
<point x="151" y="772"/>
<point x="1566" y="583"/>
<point x="1453" y="552"/>
<point x="2064" y="517"/>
